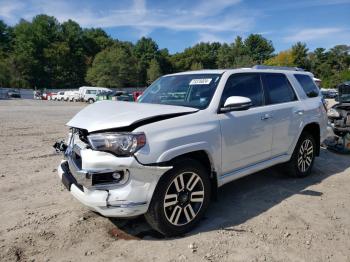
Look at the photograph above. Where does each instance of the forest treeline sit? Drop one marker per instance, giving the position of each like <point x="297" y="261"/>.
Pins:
<point x="44" y="53"/>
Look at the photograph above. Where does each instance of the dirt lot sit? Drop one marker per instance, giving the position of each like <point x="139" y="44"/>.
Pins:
<point x="264" y="217"/>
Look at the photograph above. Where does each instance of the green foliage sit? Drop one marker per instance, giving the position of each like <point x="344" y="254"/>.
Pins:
<point x="259" y="48"/>
<point x="300" y="55"/>
<point x="202" y="55"/>
<point x="145" y="50"/>
<point x="113" y="67"/>
<point x="44" y="53"/>
<point x="235" y="55"/>
<point x="154" y="71"/>
<point x="6" y="36"/>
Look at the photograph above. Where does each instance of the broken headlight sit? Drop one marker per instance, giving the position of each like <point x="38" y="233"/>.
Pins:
<point x="333" y="113"/>
<point x="120" y="144"/>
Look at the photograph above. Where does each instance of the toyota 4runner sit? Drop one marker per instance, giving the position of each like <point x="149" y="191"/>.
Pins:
<point x="188" y="134"/>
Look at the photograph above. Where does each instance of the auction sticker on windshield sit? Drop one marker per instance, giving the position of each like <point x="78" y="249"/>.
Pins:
<point x="202" y="81"/>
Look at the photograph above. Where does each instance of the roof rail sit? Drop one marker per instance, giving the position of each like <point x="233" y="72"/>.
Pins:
<point x="278" y="68"/>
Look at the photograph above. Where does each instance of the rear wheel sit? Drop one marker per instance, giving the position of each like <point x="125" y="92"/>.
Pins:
<point x="91" y="100"/>
<point x="180" y="199"/>
<point x="302" y="160"/>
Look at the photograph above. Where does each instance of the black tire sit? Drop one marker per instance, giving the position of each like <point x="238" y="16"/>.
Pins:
<point x="91" y="101"/>
<point x="301" y="162"/>
<point x="158" y="215"/>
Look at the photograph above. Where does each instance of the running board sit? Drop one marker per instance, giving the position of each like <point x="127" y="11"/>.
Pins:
<point x="226" y="178"/>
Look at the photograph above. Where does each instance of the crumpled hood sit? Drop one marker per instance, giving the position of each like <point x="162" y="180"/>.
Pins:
<point x="116" y="114"/>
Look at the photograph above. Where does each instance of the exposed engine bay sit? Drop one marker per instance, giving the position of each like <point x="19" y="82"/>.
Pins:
<point x="339" y="118"/>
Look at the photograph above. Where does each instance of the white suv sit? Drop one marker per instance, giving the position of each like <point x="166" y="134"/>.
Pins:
<point x="189" y="134"/>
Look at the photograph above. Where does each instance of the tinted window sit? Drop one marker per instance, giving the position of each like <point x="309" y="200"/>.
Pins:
<point x="310" y="88"/>
<point x="278" y="89"/>
<point x="247" y="85"/>
<point x="90" y="92"/>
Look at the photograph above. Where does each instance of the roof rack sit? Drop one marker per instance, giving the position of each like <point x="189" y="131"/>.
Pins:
<point x="278" y="68"/>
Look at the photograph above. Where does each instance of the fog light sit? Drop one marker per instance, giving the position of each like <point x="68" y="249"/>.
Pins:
<point x="117" y="176"/>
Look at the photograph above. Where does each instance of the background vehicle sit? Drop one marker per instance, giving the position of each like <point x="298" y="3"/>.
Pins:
<point x="51" y="96"/>
<point x="13" y="94"/>
<point x="339" y="116"/>
<point x="109" y="95"/>
<point x="136" y="95"/>
<point x="89" y="94"/>
<point x="189" y="134"/>
<point x="73" y="96"/>
<point x="37" y="94"/>
<point x="60" y="96"/>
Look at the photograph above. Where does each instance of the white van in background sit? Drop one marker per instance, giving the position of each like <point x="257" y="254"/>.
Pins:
<point x="73" y="96"/>
<point x="89" y="93"/>
<point x="60" y="96"/>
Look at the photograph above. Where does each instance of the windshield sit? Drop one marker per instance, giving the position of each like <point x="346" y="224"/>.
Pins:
<point x="192" y="90"/>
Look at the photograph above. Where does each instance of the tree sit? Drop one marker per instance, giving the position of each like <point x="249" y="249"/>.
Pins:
<point x="5" y="76"/>
<point x="145" y="50"/>
<point x="204" y="54"/>
<point x="154" y="71"/>
<point x="95" y="40"/>
<point x="31" y="39"/>
<point x="5" y="38"/>
<point x="196" y="66"/>
<point x="225" y="58"/>
<point x="284" y="58"/>
<point x="73" y="57"/>
<point x="300" y="54"/>
<point x="259" y="48"/>
<point x="44" y="53"/>
<point x="113" y="67"/>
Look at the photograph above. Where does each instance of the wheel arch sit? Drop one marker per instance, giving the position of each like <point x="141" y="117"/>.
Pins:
<point x="313" y="129"/>
<point x="204" y="158"/>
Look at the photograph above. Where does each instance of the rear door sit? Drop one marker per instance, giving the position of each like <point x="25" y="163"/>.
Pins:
<point x="246" y="135"/>
<point x="286" y="111"/>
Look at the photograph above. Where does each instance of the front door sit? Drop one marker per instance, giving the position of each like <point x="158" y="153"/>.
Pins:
<point x="246" y="135"/>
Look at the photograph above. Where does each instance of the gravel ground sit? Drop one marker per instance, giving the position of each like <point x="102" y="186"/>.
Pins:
<point x="263" y="217"/>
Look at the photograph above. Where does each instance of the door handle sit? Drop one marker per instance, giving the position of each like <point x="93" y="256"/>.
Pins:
<point x="266" y="116"/>
<point x="299" y="112"/>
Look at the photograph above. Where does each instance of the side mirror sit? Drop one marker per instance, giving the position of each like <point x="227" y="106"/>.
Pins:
<point x="236" y="103"/>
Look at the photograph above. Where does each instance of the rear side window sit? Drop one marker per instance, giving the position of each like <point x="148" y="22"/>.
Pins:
<point x="310" y="88"/>
<point x="247" y="85"/>
<point x="278" y="89"/>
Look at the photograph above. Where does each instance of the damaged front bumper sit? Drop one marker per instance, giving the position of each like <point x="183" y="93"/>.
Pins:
<point x="81" y="172"/>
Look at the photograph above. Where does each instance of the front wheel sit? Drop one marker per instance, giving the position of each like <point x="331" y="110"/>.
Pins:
<point x="180" y="199"/>
<point x="302" y="160"/>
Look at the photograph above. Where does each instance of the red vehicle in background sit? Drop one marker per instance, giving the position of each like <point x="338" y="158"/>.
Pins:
<point x="49" y="96"/>
<point x="136" y="95"/>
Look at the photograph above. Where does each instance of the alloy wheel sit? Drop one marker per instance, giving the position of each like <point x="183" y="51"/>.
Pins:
<point x="184" y="198"/>
<point x="305" y="155"/>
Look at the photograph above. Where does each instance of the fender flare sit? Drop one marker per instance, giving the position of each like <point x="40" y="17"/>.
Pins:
<point x="301" y="129"/>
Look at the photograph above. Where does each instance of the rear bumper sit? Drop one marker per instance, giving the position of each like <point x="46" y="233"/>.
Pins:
<point x="128" y="200"/>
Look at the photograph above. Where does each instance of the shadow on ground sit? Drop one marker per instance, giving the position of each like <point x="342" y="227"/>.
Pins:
<point x="246" y="198"/>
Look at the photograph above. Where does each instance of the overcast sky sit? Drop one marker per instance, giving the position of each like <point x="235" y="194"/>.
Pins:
<point x="179" y="24"/>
